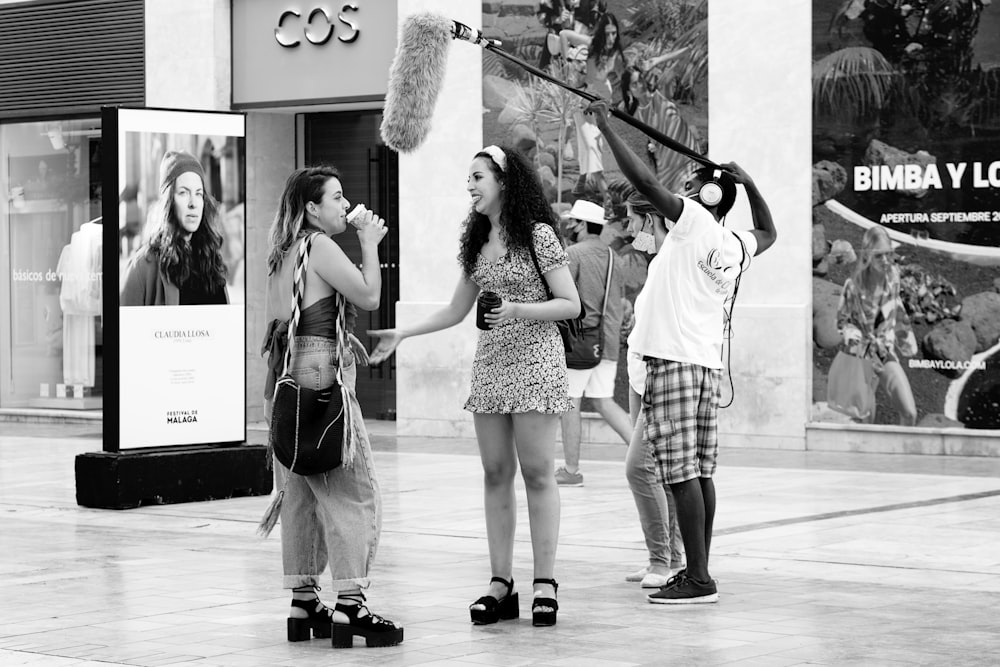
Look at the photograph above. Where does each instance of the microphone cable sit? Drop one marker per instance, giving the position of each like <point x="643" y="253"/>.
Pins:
<point x="727" y="324"/>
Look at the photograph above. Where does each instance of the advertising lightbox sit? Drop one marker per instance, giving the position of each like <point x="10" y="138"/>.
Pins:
<point x="906" y="222"/>
<point x="178" y="179"/>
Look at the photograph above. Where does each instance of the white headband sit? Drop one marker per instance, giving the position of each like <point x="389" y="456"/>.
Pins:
<point x="497" y="155"/>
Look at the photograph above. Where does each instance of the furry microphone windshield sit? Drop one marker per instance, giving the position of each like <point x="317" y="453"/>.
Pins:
<point x="415" y="80"/>
<point x="418" y="70"/>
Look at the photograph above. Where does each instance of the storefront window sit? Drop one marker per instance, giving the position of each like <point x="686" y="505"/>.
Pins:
<point x="50" y="242"/>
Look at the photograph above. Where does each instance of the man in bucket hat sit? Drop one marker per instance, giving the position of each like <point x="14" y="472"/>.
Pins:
<point x="589" y="257"/>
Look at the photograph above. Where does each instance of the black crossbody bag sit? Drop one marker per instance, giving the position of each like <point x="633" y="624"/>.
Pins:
<point x="569" y="329"/>
<point x="588" y="345"/>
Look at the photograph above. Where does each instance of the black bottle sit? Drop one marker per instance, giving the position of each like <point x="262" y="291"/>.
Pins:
<point x="487" y="302"/>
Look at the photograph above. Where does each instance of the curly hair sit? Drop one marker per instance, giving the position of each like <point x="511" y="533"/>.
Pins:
<point x="518" y="213"/>
<point x="303" y="186"/>
<point x="198" y="258"/>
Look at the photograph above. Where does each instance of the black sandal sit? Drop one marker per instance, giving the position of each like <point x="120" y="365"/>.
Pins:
<point x="544" y="618"/>
<point x="495" y="610"/>
<point x="317" y="623"/>
<point x="376" y="630"/>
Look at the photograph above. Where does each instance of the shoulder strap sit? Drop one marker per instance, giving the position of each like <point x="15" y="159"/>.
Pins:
<point x="607" y="284"/>
<point x="538" y="268"/>
<point x="298" y="291"/>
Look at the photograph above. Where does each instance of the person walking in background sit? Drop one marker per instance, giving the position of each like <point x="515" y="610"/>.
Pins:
<point x="602" y="296"/>
<point x="679" y="332"/>
<point x="182" y="262"/>
<point x="510" y="246"/>
<point x="873" y="323"/>
<point x="332" y="518"/>
<point x="653" y="501"/>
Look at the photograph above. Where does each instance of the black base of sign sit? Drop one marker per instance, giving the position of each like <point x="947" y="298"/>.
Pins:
<point x="165" y="475"/>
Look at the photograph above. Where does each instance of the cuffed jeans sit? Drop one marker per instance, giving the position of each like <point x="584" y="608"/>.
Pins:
<point x="655" y="504"/>
<point x="333" y="518"/>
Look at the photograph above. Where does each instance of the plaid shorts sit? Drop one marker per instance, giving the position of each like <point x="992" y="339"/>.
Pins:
<point x="681" y="403"/>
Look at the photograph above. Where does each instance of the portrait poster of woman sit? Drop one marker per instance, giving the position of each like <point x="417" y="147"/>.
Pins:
<point x="169" y="176"/>
<point x="179" y="245"/>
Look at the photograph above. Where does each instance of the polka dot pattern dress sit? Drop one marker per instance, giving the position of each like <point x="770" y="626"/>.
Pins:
<point x="520" y="365"/>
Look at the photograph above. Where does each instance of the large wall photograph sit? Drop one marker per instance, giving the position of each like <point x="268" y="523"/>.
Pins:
<point x="906" y="217"/>
<point x="648" y="59"/>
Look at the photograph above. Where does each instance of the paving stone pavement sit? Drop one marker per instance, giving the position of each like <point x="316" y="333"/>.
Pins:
<point x="822" y="559"/>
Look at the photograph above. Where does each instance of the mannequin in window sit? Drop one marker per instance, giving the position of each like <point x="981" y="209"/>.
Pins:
<point x="80" y="299"/>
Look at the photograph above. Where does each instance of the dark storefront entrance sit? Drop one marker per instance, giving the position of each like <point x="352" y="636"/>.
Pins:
<point x="350" y="141"/>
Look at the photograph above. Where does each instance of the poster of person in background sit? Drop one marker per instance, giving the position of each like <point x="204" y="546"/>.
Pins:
<point x="650" y="61"/>
<point x="181" y="194"/>
<point x="906" y="207"/>
<point x="663" y="49"/>
<point x="182" y="203"/>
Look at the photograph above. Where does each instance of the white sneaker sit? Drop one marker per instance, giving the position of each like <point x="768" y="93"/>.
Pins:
<point x="654" y="580"/>
<point x="638" y="575"/>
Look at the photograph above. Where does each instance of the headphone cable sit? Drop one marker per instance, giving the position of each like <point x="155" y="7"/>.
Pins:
<point x="727" y="325"/>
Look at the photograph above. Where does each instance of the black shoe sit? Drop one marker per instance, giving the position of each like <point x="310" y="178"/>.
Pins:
<point x="686" y="590"/>
<point x="674" y="579"/>
<point x="495" y="610"/>
<point x="544" y="618"/>
<point x="376" y="630"/>
<point x="317" y="622"/>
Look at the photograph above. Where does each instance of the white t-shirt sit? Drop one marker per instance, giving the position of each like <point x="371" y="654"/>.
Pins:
<point x="679" y="312"/>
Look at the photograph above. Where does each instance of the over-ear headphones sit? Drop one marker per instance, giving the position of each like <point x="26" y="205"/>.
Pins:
<point x="710" y="193"/>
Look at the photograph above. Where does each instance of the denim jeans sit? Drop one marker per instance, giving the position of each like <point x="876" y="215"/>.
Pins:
<point x="655" y="503"/>
<point x="332" y="518"/>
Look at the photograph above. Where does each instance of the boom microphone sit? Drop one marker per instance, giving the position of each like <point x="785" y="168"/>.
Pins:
<point x="468" y="34"/>
<point x="415" y="80"/>
<point x="418" y="69"/>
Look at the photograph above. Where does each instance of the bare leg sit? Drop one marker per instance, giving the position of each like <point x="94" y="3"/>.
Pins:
<point x="571" y="436"/>
<point x="893" y="377"/>
<point x="615" y="416"/>
<point x="495" y="434"/>
<point x="534" y="437"/>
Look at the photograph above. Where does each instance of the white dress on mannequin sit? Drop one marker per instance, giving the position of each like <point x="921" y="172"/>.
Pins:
<point x="80" y="299"/>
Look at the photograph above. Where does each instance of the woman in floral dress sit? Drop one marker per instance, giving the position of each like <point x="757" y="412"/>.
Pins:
<point x="519" y="373"/>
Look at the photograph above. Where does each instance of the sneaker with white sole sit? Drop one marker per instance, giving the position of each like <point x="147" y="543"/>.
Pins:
<point x="566" y="478"/>
<point x="656" y="580"/>
<point x="637" y="576"/>
<point x="685" y="590"/>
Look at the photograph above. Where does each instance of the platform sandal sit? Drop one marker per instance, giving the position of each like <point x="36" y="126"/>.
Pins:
<point x="376" y="630"/>
<point x="544" y="618"/>
<point x="317" y="623"/>
<point x="496" y="610"/>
